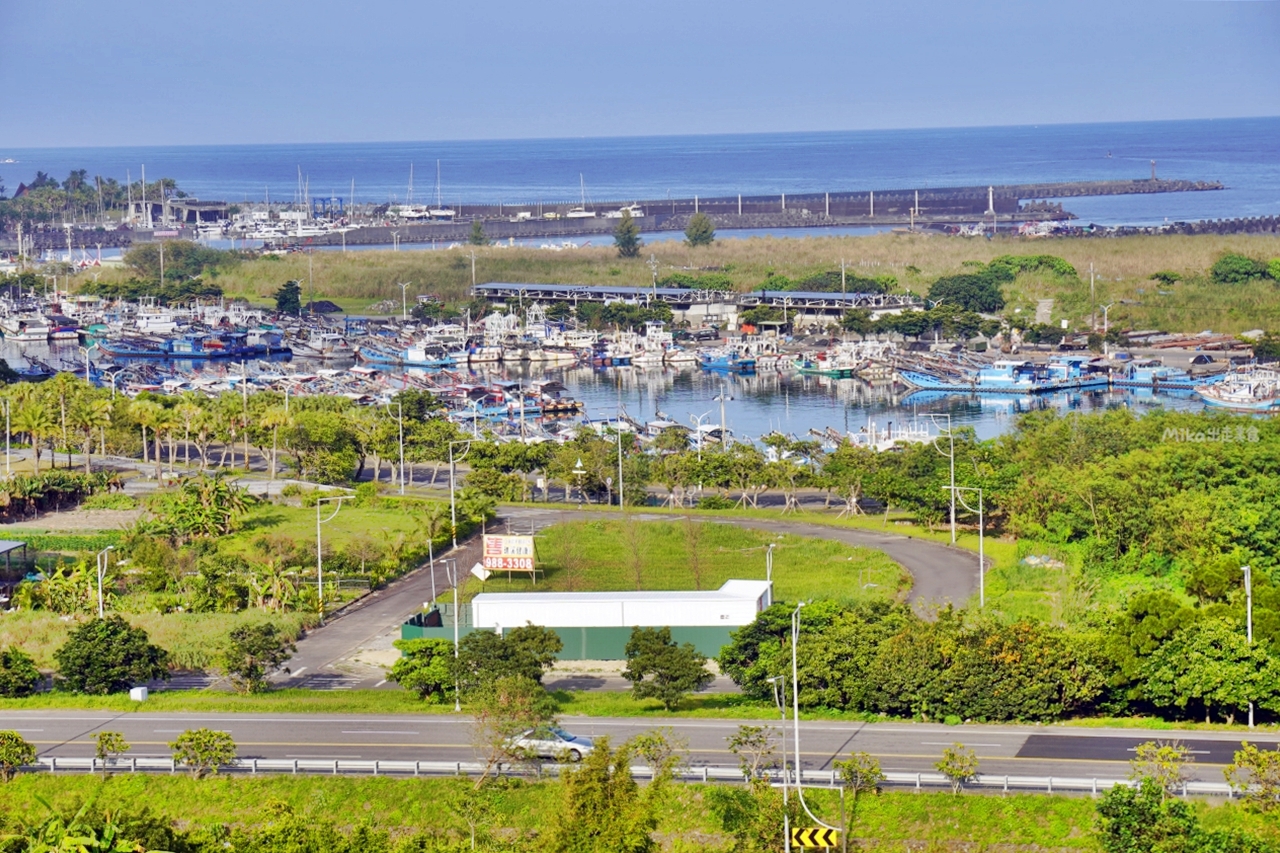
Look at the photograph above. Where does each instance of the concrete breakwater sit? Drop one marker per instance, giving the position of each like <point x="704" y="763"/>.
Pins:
<point x="938" y="206"/>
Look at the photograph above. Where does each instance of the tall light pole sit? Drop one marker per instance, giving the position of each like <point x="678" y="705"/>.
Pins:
<point x="8" y="469"/>
<point x="1248" y="620"/>
<point x="795" y="705"/>
<point x="621" y="499"/>
<point x="578" y="471"/>
<point x="778" y="691"/>
<point x="404" y="300"/>
<point x="982" y="562"/>
<point x="102" y="570"/>
<point x="457" y="698"/>
<point x="400" y="422"/>
<point x="320" y="549"/>
<point x="453" y="474"/>
<point x="951" y="458"/>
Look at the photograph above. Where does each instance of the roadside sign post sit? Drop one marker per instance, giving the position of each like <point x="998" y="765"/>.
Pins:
<point x="815" y="837"/>
<point x="506" y="553"/>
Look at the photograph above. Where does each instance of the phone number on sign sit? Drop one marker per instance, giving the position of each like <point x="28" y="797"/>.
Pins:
<point x="508" y="563"/>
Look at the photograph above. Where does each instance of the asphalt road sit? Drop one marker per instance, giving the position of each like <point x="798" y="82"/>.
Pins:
<point x="1014" y="750"/>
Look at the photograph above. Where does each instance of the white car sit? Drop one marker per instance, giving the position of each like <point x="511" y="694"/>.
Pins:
<point x="551" y="742"/>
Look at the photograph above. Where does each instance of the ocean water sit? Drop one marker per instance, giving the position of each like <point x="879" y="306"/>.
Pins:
<point x="1242" y="153"/>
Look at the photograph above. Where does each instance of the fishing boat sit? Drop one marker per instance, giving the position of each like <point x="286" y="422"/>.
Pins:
<point x="1011" y="377"/>
<point x="25" y="328"/>
<point x="326" y="346"/>
<point x="415" y="356"/>
<point x="1254" y="390"/>
<point x="1155" y="375"/>
<point x="726" y="360"/>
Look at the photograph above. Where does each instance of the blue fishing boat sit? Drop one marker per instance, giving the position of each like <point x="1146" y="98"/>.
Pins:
<point x="1155" y="375"/>
<point x="229" y="345"/>
<point x="1013" y="377"/>
<point x="726" y="361"/>
<point x="415" y="356"/>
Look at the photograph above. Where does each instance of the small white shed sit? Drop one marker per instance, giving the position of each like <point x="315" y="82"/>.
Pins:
<point x="734" y="604"/>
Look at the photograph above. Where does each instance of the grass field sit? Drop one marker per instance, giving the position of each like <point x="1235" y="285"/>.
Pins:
<point x="629" y="554"/>
<point x="194" y="640"/>
<point x="299" y="524"/>
<point x="891" y="821"/>
<point x="1124" y="265"/>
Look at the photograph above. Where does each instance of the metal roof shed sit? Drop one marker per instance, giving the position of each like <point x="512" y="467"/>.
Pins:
<point x="736" y="603"/>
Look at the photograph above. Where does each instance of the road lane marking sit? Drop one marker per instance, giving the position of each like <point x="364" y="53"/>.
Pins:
<point x="366" y="732"/>
<point x="953" y="743"/>
<point x="298" y="671"/>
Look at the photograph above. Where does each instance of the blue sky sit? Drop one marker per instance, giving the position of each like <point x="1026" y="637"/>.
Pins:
<point x="165" y="72"/>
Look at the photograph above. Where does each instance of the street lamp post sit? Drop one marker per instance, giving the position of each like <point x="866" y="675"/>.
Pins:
<point x="776" y="681"/>
<point x="1248" y="620"/>
<point x="8" y="469"/>
<point x="320" y="549"/>
<point x="453" y="474"/>
<point x="795" y="705"/>
<point x="404" y="296"/>
<point x="400" y="423"/>
<point x="951" y="458"/>
<point x="578" y="471"/>
<point x="982" y="563"/>
<point x="457" y="699"/>
<point x="102" y="570"/>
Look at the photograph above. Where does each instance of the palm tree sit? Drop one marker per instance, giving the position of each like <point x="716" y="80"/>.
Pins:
<point x="188" y="412"/>
<point x="167" y="423"/>
<point x="88" y="416"/>
<point x="34" y="419"/>
<point x="273" y="419"/>
<point x="146" y="413"/>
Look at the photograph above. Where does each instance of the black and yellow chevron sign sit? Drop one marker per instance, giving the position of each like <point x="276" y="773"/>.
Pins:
<point x="815" y="837"/>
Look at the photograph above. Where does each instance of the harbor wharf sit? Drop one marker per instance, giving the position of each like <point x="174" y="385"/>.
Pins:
<point x="925" y="207"/>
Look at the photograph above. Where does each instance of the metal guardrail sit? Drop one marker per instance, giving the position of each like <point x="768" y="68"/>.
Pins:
<point x="816" y="778"/>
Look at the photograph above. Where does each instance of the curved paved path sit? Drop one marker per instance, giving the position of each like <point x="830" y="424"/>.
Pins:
<point x="940" y="574"/>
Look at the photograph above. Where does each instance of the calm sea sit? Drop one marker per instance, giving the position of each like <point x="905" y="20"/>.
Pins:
<point x="1242" y="153"/>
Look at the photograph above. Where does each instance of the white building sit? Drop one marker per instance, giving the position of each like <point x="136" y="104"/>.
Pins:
<point x="735" y="604"/>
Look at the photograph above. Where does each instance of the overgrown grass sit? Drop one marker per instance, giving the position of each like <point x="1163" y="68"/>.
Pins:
<point x="194" y="640"/>
<point x="1124" y="266"/>
<point x="891" y="821"/>
<point x="628" y="554"/>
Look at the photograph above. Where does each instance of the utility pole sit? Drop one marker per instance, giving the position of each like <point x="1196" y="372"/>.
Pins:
<point x="473" y="269"/>
<point x="1093" y="306"/>
<point x="1248" y="619"/>
<point x="842" y="279"/>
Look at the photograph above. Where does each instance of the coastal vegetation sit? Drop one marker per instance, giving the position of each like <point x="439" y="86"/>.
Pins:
<point x="1156" y="281"/>
<point x="382" y="815"/>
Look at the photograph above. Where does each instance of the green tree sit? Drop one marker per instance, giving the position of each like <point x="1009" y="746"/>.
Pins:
<point x="203" y="751"/>
<point x="659" y="668"/>
<point x="859" y="774"/>
<point x="524" y="652"/>
<point x="700" y="230"/>
<point x="18" y="674"/>
<point x="626" y="236"/>
<point x="254" y="652"/>
<point x="1142" y="821"/>
<point x="754" y="747"/>
<point x="15" y="753"/>
<point x="1212" y="663"/>
<point x="602" y="807"/>
<point x="425" y="667"/>
<point x="977" y="292"/>
<point x="958" y="764"/>
<point x="1163" y="763"/>
<point x="477" y="237"/>
<point x="1255" y="775"/>
<point x="108" y="746"/>
<point x="500" y="711"/>
<point x="289" y="299"/>
<point x="109" y="655"/>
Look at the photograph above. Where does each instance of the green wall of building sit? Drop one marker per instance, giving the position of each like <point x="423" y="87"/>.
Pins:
<point x="596" y="643"/>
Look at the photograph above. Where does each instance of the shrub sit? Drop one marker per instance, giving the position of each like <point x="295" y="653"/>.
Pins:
<point x="662" y="669"/>
<point x="203" y="750"/>
<point x="18" y="673"/>
<point x="108" y="656"/>
<point x="1234" y="268"/>
<point x="426" y="667"/>
<point x="109" y="500"/>
<point x="15" y="752"/>
<point x="715" y="502"/>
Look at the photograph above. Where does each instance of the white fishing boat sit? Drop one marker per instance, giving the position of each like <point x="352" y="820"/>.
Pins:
<point x="635" y="210"/>
<point x="1254" y="390"/>
<point x="25" y="328"/>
